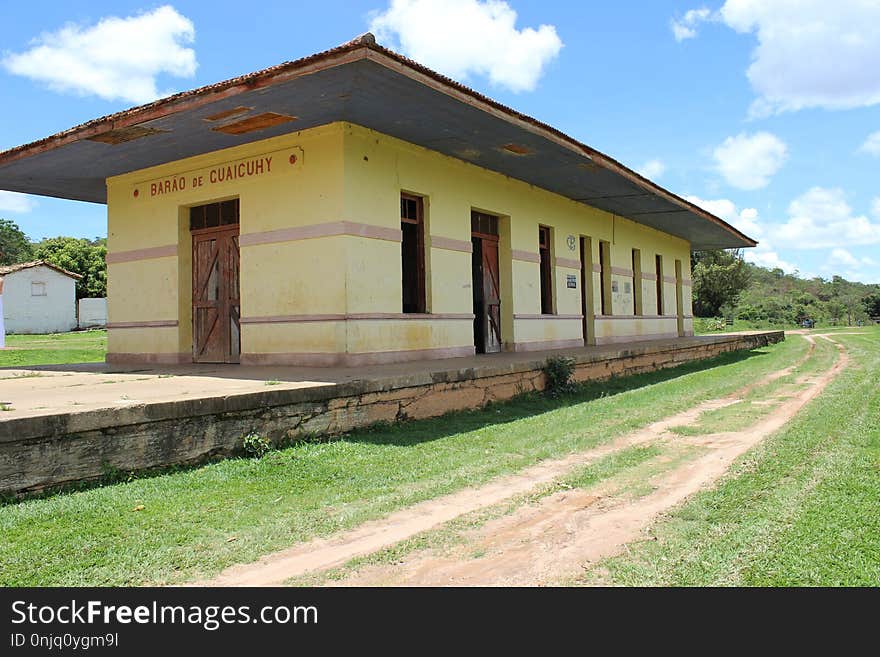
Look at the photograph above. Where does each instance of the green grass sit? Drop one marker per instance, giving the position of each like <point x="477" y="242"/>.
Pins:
<point x="54" y="349"/>
<point x="800" y="509"/>
<point x="183" y="531"/>
<point x="702" y="324"/>
<point x="762" y="399"/>
<point x="608" y="466"/>
<point x="456" y="532"/>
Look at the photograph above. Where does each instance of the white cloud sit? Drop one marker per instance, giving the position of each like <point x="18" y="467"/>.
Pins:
<point x="116" y="59"/>
<point x="749" y="161"/>
<point x="764" y="257"/>
<point x="686" y="27"/>
<point x="843" y="257"/>
<point x="15" y="202"/>
<point x="469" y="37"/>
<point x="652" y="169"/>
<point x="821" y="218"/>
<point x="747" y="221"/>
<point x="852" y="267"/>
<point x="872" y="144"/>
<point x="810" y="53"/>
<point x="818" y="219"/>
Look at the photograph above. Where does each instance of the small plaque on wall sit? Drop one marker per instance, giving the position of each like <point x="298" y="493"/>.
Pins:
<point x="571" y="281"/>
<point x="626" y="288"/>
<point x="614" y="287"/>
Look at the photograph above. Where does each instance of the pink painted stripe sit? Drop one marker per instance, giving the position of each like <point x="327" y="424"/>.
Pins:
<point x="314" y="231"/>
<point x="373" y="232"/>
<point x="686" y="281"/>
<point x="288" y="319"/>
<point x="116" y="257"/>
<point x="450" y="244"/>
<point x="608" y="317"/>
<point x="545" y="345"/>
<point x="161" y="323"/>
<point x="527" y="316"/>
<point x="525" y="256"/>
<point x="617" y="339"/>
<point x="307" y="359"/>
<point x="669" y="279"/>
<point x="649" y="277"/>
<point x="568" y="262"/>
<point x="358" y="316"/>
<point x="622" y="271"/>
<point x="597" y="268"/>
<point x="349" y="317"/>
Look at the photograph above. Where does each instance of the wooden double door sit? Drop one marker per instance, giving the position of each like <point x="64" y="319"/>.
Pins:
<point x="216" y="298"/>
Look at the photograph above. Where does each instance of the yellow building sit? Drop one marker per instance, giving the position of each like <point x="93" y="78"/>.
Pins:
<point x="354" y="207"/>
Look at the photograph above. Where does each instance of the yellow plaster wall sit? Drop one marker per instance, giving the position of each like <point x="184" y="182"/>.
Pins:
<point x="153" y="340"/>
<point x="294" y="338"/>
<point x="547" y="330"/>
<point x="302" y="277"/>
<point x="282" y="278"/>
<point x="347" y="173"/>
<point x="379" y="167"/>
<point x="367" y="336"/>
<point x="373" y="283"/>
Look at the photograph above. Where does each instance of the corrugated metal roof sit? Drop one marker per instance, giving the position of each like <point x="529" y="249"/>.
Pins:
<point x="364" y="83"/>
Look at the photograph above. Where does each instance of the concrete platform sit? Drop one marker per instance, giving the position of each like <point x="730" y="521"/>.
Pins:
<point x="69" y="423"/>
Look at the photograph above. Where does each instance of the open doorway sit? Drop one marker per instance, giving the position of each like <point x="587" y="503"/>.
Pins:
<point x="486" y="283"/>
<point x="589" y="316"/>
<point x="679" y="298"/>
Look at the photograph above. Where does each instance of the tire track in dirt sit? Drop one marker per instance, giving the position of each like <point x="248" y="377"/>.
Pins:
<point x="325" y="553"/>
<point x="565" y="532"/>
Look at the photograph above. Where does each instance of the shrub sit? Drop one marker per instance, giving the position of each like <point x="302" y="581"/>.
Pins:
<point x="256" y="445"/>
<point x="558" y="370"/>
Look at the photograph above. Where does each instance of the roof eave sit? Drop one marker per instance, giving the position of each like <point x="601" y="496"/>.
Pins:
<point x="363" y="47"/>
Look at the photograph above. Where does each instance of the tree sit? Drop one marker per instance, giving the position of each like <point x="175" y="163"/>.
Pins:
<point x="719" y="277"/>
<point x="872" y="304"/>
<point x="14" y="244"/>
<point x="81" y="256"/>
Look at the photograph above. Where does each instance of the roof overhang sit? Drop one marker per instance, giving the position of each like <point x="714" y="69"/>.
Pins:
<point x="362" y="83"/>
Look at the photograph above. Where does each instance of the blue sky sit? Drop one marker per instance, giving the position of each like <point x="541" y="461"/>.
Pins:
<point x="766" y="113"/>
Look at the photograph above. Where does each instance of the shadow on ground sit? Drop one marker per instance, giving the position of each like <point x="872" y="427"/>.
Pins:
<point x="529" y="405"/>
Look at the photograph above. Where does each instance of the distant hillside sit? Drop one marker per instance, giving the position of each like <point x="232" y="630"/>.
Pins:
<point x="773" y="298"/>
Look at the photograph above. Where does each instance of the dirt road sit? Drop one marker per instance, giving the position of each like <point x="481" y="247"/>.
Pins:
<point x="551" y="540"/>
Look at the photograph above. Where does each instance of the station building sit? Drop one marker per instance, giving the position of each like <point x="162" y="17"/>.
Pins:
<point x="354" y="207"/>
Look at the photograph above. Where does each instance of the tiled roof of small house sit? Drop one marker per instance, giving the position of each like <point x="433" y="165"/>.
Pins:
<point x="11" y="269"/>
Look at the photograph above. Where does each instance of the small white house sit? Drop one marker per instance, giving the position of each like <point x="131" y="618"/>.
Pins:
<point x="38" y="297"/>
